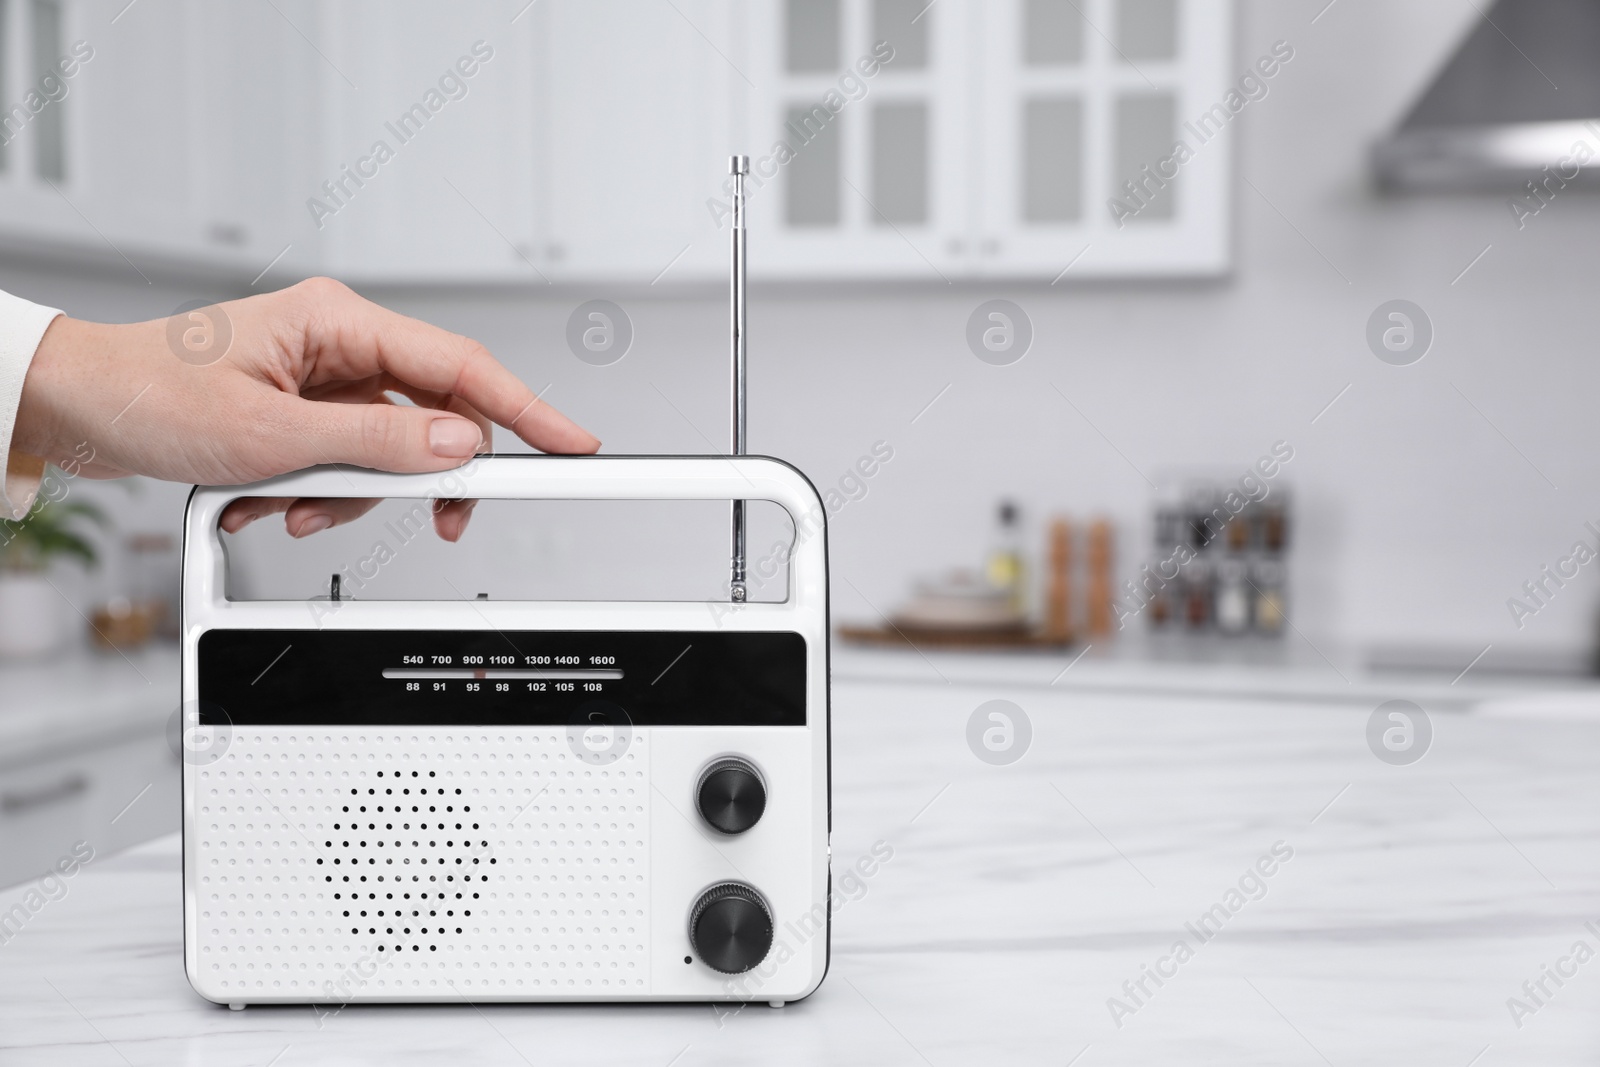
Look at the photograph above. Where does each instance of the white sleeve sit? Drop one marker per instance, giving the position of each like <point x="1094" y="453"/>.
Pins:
<point x="22" y="325"/>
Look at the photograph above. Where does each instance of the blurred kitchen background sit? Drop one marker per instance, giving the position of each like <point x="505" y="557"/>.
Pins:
<point x="1025" y="345"/>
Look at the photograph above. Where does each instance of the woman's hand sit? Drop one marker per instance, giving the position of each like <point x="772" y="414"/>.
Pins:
<point x="303" y="380"/>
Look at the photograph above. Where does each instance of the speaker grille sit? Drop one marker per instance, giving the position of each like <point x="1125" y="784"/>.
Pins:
<point x="342" y="864"/>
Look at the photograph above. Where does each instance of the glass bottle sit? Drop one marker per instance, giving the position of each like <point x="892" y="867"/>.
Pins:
<point x="1160" y="606"/>
<point x="1270" y="612"/>
<point x="1197" y="594"/>
<point x="1006" y="566"/>
<point x="1275" y="527"/>
<point x="1232" y="602"/>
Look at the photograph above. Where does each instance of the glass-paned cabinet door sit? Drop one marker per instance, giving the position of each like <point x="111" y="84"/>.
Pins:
<point x="107" y="135"/>
<point x="1104" y="130"/>
<point x="857" y="117"/>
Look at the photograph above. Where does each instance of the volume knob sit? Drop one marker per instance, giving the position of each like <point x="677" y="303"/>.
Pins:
<point x="731" y="928"/>
<point x="731" y="795"/>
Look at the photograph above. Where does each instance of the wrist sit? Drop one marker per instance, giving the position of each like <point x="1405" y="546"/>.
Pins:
<point x="40" y="425"/>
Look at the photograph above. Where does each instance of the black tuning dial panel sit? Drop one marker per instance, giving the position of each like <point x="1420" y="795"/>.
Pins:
<point x="731" y="795"/>
<point x="731" y="928"/>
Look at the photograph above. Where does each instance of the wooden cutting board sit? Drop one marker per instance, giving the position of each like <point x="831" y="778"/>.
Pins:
<point x="991" y="638"/>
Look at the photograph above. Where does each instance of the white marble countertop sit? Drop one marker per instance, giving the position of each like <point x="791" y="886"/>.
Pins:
<point x="1019" y="899"/>
<point x="1288" y="670"/>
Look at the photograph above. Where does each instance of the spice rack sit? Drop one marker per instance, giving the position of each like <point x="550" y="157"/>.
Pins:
<point x="1218" y="564"/>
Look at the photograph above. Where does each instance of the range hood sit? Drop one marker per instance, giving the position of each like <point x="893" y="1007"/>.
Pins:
<point x="1519" y="94"/>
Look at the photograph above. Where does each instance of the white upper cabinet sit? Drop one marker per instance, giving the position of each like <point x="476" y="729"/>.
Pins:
<point x="253" y="150"/>
<point x="1084" y="106"/>
<point x="989" y="137"/>
<point x="582" y="147"/>
<point x="426" y="162"/>
<point x="857" y="126"/>
<point x="632" y="138"/>
<point x="585" y="142"/>
<point x="90" y="164"/>
<point x="170" y="133"/>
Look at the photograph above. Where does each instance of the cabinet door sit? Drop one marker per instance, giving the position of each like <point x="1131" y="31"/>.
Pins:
<point x="1083" y="104"/>
<point x="44" y="809"/>
<point x="112" y="793"/>
<point x="29" y="208"/>
<point x="137" y="792"/>
<point x="632" y="138"/>
<point x="857" y="121"/>
<point x="254" y="153"/>
<point x="102" y="167"/>
<point x="183" y="133"/>
<point x="426" y="169"/>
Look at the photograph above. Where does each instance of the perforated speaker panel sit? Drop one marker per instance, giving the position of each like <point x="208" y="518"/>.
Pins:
<point x="351" y="863"/>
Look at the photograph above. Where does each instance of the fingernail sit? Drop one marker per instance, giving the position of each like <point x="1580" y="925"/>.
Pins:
<point x="453" y="438"/>
<point x="315" y="524"/>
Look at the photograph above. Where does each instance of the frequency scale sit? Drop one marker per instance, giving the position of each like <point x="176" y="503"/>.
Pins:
<point x="490" y="800"/>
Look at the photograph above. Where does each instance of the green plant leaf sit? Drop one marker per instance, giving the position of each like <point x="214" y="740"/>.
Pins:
<point x="47" y="531"/>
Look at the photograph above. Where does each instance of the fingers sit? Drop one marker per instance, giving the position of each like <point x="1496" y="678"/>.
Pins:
<point x="247" y="509"/>
<point x="450" y="520"/>
<point x="310" y="515"/>
<point x="375" y="390"/>
<point x="370" y="390"/>
<point x="350" y="338"/>
<point x="443" y="401"/>
<point x="302" y="516"/>
<point x="485" y="427"/>
<point x="386" y="437"/>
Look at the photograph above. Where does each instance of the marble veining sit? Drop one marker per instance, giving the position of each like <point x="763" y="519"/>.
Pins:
<point x="1406" y="906"/>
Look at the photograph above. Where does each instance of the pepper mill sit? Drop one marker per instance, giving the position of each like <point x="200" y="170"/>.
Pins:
<point x="1099" y="581"/>
<point x="1058" y="616"/>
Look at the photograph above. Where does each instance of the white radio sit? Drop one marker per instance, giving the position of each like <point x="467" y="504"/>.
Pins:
<point x="495" y="800"/>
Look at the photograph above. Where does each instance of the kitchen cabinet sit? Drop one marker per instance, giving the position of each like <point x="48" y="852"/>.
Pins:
<point x="633" y="136"/>
<point x="995" y="139"/>
<point x="89" y="164"/>
<point x="889" y="139"/>
<point x="134" y="125"/>
<point x="426" y="165"/>
<point x="84" y="756"/>
<point x="585" y="141"/>
<point x="584" y="147"/>
<point x="175" y="139"/>
<point x="857" y="128"/>
<point x="1076" y="101"/>
<point x="109" y="792"/>
<point x="254" y="151"/>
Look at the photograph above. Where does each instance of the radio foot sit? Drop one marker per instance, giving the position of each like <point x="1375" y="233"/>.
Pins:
<point x="236" y="1006"/>
<point x="775" y="1003"/>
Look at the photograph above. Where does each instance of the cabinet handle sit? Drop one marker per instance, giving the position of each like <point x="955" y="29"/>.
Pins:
<point x="12" y="803"/>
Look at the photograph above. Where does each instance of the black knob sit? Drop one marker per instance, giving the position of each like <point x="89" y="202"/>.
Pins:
<point x="731" y="795"/>
<point x="731" y="928"/>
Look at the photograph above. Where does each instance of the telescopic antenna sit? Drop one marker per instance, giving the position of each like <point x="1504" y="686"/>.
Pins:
<point x="739" y="167"/>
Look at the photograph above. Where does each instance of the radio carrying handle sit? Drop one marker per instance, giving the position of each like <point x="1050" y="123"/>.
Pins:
<point x="532" y="477"/>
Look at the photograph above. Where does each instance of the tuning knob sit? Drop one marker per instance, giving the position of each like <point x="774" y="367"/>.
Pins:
<point x="731" y="928"/>
<point x="731" y="795"/>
